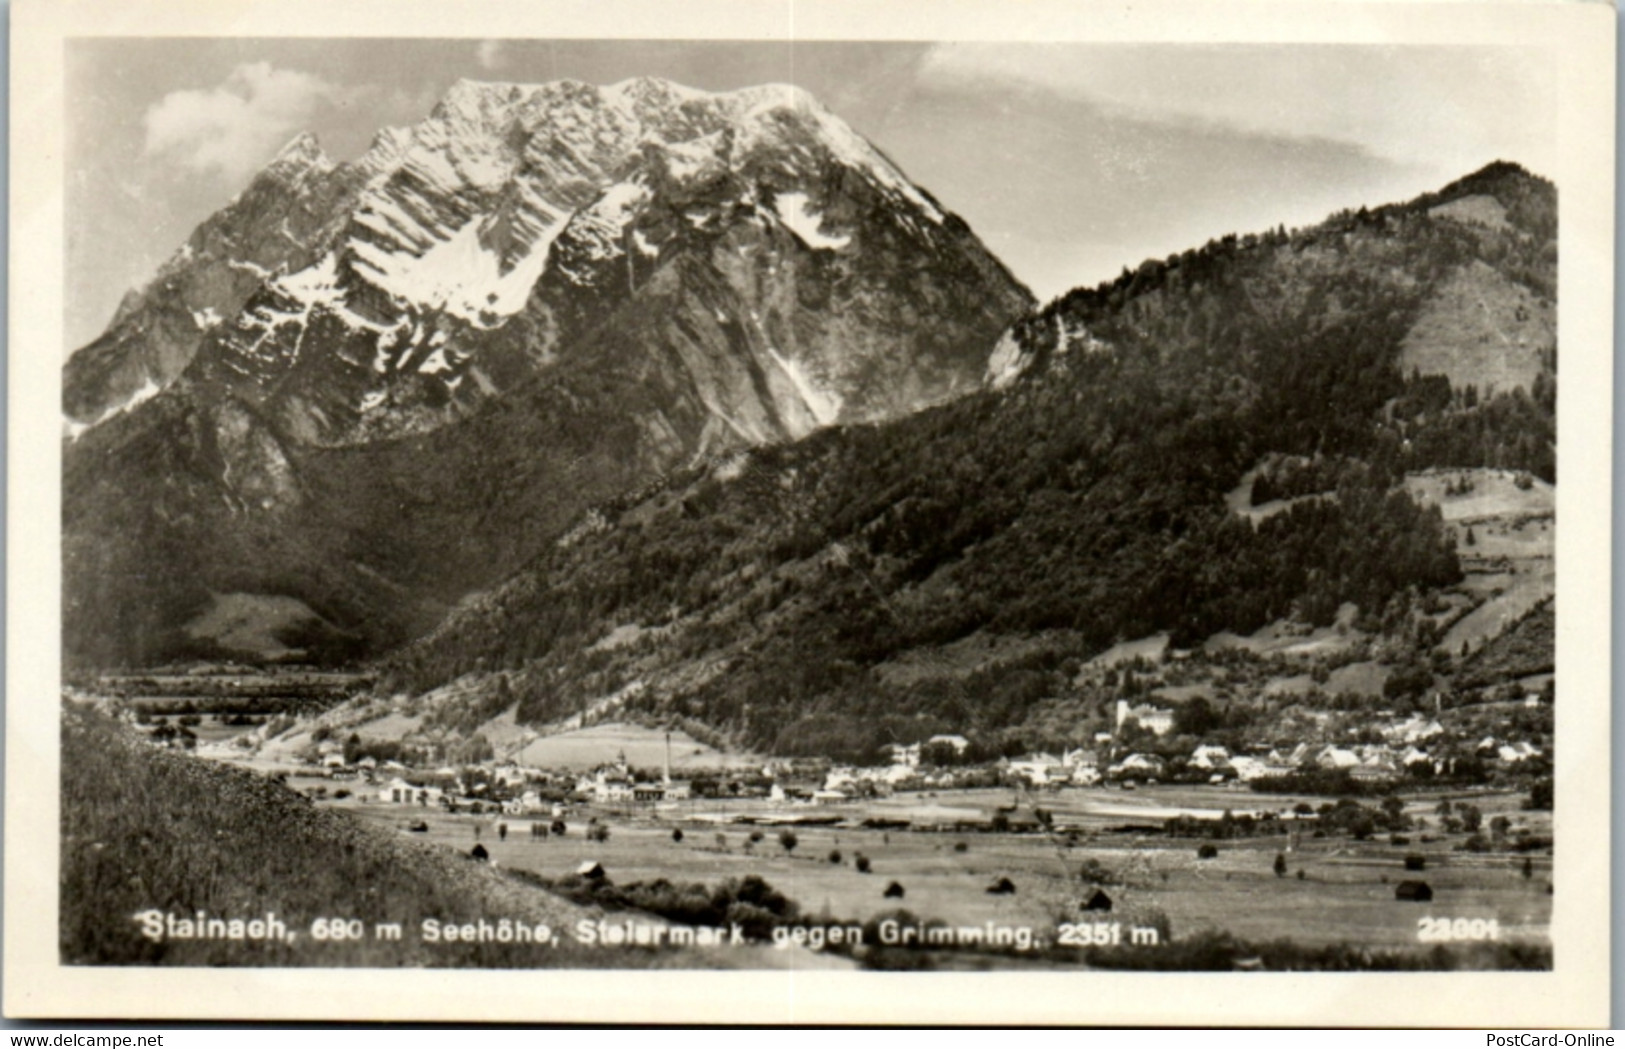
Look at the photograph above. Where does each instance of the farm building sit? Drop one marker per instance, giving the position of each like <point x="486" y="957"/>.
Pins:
<point x="1415" y="891"/>
<point x="400" y="792"/>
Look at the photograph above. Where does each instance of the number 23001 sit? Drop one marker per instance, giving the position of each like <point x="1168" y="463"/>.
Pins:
<point x="1456" y="930"/>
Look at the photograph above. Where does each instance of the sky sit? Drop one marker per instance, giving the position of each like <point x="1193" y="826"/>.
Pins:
<point x="1069" y="160"/>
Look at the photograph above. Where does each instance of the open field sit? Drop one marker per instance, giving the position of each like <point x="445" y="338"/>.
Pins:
<point x="643" y="747"/>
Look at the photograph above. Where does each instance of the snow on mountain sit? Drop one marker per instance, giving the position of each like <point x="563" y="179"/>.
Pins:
<point x="373" y="385"/>
<point x="460" y="216"/>
<point x="795" y="212"/>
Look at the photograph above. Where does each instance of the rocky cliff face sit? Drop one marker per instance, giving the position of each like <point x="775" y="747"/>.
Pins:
<point x="371" y="386"/>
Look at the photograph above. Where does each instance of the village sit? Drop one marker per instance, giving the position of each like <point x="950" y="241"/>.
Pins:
<point x="1386" y="753"/>
<point x="1354" y="825"/>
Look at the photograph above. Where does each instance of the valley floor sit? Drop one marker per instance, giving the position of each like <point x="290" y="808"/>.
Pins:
<point x="1336" y="892"/>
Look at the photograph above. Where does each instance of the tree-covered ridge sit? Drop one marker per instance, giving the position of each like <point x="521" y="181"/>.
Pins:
<point x="772" y="598"/>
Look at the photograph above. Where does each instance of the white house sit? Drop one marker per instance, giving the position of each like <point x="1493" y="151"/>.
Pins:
<point x="1033" y="771"/>
<point x="840" y="777"/>
<point x="1337" y="758"/>
<point x="1415" y="729"/>
<point x="1156" y="719"/>
<point x="612" y="790"/>
<point x="1249" y="769"/>
<point x="1085" y="775"/>
<point x="904" y="754"/>
<point x="1512" y="753"/>
<point x="400" y="792"/>
<point x="1139" y="764"/>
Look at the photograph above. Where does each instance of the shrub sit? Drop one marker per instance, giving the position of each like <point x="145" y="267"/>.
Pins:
<point x="1207" y="851"/>
<point x="1095" y="871"/>
<point x="677" y="834"/>
<point x="835" y="855"/>
<point x="788" y="839"/>
<point x="1540" y="796"/>
<point x="1414" y="862"/>
<point x="861" y="862"/>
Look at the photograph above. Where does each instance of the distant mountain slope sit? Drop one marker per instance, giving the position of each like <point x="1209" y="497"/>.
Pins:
<point x="1083" y="501"/>
<point x="370" y="387"/>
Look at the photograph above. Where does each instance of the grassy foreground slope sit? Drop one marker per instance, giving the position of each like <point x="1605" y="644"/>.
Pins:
<point x="144" y="828"/>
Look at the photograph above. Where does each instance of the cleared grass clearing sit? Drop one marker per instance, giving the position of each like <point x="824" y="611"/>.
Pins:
<point x="1495" y="493"/>
<point x="1365" y="679"/>
<point x="1151" y="649"/>
<point x="1523" y="592"/>
<point x="1481" y="329"/>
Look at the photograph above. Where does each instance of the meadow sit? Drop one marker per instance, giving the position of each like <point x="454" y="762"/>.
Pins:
<point x="1344" y="896"/>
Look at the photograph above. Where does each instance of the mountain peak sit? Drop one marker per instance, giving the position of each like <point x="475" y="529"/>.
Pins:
<point x="1493" y="178"/>
<point x="302" y="151"/>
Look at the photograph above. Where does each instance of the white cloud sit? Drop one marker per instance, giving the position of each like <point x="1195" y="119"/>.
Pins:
<point x="491" y="54"/>
<point x="1449" y="106"/>
<point x="235" y="127"/>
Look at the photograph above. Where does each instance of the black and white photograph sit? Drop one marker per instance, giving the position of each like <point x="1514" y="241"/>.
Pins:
<point x="809" y="500"/>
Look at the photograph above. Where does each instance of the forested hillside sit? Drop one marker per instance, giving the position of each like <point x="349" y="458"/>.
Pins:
<point x="787" y="598"/>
